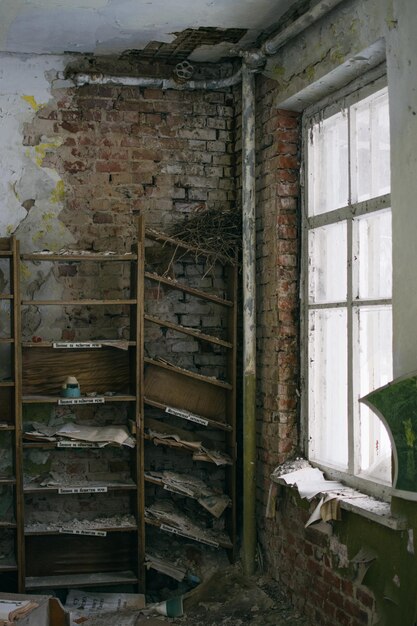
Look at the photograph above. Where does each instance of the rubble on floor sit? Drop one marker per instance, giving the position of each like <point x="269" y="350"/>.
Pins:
<point x="226" y="598"/>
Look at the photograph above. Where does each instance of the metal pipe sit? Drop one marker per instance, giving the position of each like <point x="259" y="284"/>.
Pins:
<point x="249" y="319"/>
<point x="158" y="83"/>
<point x="272" y="45"/>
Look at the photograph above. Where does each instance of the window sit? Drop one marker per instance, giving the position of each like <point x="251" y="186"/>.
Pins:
<point x="347" y="283"/>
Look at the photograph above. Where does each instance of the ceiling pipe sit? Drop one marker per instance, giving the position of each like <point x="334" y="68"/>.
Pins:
<point x="319" y="10"/>
<point x="157" y="83"/>
<point x="258" y="58"/>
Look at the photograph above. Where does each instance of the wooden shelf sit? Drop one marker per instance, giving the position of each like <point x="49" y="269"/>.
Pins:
<point x="96" y="579"/>
<point x="6" y="254"/>
<point x="7" y="481"/>
<point x="7" y="525"/>
<point x="198" y="293"/>
<point x="105" y="343"/>
<point x="7" y="427"/>
<point x="32" y="399"/>
<point x="6" y="341"/>
<point x="7" y="383"/>
<point x="180" y="370"/>
<point x="8" y="565"/>
<point x="210" y="422"/>
<point x="93" y="256"/>
<point x="166" y="527"/>
<point x="7" y="296"/>
<point x="188" y="331"/>
<point x="61" y="531"/>
<point x="29" y="489"/>
<point x="82" y="302"/>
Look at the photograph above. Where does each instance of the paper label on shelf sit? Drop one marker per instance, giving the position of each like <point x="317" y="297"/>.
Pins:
<point x="186" y="415"/>
<point x="78" y="444"/>
<point x="91" y="533"/>
<point x="75" y="344"/>
<point x="66" y="401"/>
<point x="176" y="531"/>
<point x="65" y="490"/>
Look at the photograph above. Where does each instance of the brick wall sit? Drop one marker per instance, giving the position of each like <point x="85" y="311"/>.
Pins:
<point x="277" y="288"/>
<point x="120" y="149"/>
<point x="314" y="567"/>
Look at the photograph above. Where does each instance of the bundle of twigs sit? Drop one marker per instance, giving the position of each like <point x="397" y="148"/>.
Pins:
<point x="214" y="231"/>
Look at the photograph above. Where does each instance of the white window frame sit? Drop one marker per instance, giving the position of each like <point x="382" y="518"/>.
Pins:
<point x="355" y="92"/>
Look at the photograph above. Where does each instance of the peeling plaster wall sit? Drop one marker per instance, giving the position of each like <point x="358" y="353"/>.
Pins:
<point x="30" y="198"/>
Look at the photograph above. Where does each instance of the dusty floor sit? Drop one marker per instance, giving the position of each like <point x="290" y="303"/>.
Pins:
<point x="225" y="599"/>
<point x="231" y="599"/>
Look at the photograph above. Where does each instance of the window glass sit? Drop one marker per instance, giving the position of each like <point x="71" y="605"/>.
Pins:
<point x="373" y="256"/>
<point x="349" y="286"/>
<point x="328" y="165"/>
<point x="370" y="147"/>
<point x="327" y="261"/>
<point x="328" y="386"/>
<point x="374" y="369"/>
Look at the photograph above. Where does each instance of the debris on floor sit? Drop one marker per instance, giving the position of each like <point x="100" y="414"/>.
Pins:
<point x="225" y="598"/>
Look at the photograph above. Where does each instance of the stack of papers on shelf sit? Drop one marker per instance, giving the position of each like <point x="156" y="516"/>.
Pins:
<point x="175" y="521"/>
<point x="13" y="610"/>
<point x="103" y="435"/>
<point x="193" y="487"/>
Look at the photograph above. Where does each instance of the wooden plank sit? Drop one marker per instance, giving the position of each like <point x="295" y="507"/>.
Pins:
<point x="171" y="388"/>
<point x="45" y="370"/>
<point x="198" y="293"/>
<point x="210" y="422"/>
<point x="188" y="331"/>
<point x="83" y="302"/>
<point x="68" y="258"/>
<point x="38" y="399"/>
<point x="33" y="488"/>
<point x="96" y="579"/>
<point x="188" y="373"/>
<point x="6" y="296"/>
<point x="49" y="344"/>
<point x="54" y="555"/>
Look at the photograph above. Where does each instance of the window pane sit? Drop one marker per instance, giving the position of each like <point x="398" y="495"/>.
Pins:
<point x="327" y="262"/>
<point x="370" y="147"/>
<point x="374" y="369"/>
<point x="327" y="360"/>
<point x="328" y="165"/>
<point x="373" y="256"/>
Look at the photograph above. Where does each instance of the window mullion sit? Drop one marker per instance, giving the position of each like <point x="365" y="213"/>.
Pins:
<point x="350" y="355"/>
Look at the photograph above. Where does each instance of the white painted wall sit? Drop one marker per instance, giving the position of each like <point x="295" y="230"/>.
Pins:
<point x="25" y="85"/>
<point x="402" y="80"/>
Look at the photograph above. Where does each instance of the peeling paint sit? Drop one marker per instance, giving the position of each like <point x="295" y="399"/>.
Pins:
<point x="58" y="194"/>
<point x="32" y="102"/>
<point x="42" y="148"/>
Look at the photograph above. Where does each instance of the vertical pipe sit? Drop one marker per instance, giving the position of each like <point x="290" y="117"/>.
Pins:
<point x="249" y="319"/>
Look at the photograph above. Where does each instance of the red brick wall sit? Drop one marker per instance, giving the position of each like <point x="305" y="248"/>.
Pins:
<point x="314" y="568"/>
<point x="306" y="561"/>
<point x="278" y="137"/>
<point x="164" y="152"/>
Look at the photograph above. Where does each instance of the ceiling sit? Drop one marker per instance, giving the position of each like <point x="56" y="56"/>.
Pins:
<point x="108" y="27"/>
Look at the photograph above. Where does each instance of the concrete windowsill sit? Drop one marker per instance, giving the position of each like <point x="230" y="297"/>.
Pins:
<point x="359" y="503"/>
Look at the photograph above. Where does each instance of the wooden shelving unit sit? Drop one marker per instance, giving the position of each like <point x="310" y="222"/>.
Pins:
<point x="184" y="401"/>
<point x="109" y="372"/>
<point x="11" y="526"/>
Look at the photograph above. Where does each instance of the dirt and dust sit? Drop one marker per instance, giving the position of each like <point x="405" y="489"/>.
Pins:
<point x="229" y="598"/>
